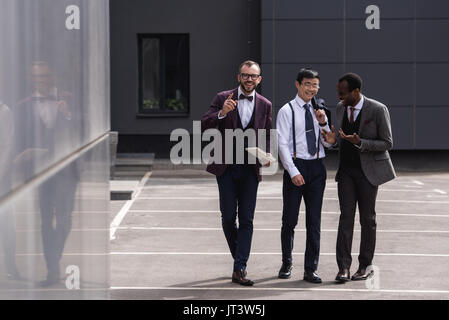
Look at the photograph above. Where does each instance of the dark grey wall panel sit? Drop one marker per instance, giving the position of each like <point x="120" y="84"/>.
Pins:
<point x="268" y="44"/>
<point x="355" y="9"/>
<point x="431" y="129"/>
<point x="432" y="84"/>
<point x="394" y="42"/>
<point x="432" y="43"/>
<point x="267" y="9"/>
<point x="313" y="41"/>
<point x="404" y="64"/>
<point x="391" y="84"/>
<point x="267" y="84"/>
<point x="300" y="9"/>
<point x="402" y="126"/>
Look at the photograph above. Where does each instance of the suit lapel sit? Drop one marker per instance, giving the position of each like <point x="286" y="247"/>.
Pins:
<point x="234" y="113"/>
<point x="366" y="114"/>
<point x="256" y="110"/>
<point x="340" y="112"/>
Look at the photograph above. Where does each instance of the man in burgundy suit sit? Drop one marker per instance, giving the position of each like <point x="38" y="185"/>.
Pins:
<point x="238" y="177"/>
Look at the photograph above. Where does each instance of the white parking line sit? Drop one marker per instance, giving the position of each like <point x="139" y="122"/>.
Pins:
<point x="234" y="288"/>
<point x="153" y="253"/>
<point x="272" y="229"/>
<point x="280" y="212"/>
<point x="122" y="213"/>
<point x="280" y="198"/>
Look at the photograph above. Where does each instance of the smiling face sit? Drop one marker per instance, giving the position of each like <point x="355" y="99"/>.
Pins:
<point x="308" y="88"/>
<point x="249" y="78"/>
<point x="347" y="97"/>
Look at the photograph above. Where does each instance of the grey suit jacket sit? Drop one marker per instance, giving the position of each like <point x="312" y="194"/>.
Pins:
<point x="376" y="140"/>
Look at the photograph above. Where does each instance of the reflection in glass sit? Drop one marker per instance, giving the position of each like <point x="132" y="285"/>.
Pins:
<point x="54" y="151"/>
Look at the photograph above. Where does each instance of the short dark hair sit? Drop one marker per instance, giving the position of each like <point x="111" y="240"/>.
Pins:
<point x="249" y="63"/>
<point x="354" y="81"/>
<point x="308" y="74"/>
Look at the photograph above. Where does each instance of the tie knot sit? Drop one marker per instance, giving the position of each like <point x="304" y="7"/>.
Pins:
<point x="242" y="96"/>
<point x="307" y="106"/>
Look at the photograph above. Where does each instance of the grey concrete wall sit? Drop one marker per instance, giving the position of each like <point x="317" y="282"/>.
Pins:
<point x="404" y="64"/>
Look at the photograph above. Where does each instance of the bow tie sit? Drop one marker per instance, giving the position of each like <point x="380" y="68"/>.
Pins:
<point x="242" y="96"/>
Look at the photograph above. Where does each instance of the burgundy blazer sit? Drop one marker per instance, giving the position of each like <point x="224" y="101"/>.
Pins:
<point x="262" y="120"/>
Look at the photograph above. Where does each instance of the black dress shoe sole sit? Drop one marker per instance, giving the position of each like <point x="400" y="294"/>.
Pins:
<point x="365" y="277"/>
<point x="284" y="276"/>
<point x="342" y="280"/>
<point x="313" y="280"/>
<point x="248" y="283"/>
<point x="360" y="278"/>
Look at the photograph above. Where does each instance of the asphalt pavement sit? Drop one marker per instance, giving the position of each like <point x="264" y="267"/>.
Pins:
<point x="168" y="242"/>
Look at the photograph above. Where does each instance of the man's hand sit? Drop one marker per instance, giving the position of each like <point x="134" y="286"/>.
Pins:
<point x="353" y="138"/>
<point x="298" y="180"/>
<point x="320" y="115"/>
<point x="330" y="136"/>
<point x="228" y="106"/>
<point x="269" y="162"/>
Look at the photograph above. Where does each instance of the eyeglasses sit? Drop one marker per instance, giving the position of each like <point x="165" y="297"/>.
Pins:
<point x="309" y="85"/>
<point x="245" y="76"/>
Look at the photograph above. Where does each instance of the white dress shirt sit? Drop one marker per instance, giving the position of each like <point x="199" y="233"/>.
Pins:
<point x="357" y="109"/>
<point x="244" y="107"/>
<point x="285" y="135"/>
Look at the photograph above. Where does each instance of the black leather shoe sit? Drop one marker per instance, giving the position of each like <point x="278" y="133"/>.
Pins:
<point x="343" y="276"/>
<point x="285" y="272"/>
<point x="50" y="281"/>
<point x="312" y="277"/>
<point x="362" y="274"/>
<point x="240" y="278"/>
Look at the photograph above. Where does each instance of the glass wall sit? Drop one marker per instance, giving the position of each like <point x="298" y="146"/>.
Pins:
<point x="54" y="158"/>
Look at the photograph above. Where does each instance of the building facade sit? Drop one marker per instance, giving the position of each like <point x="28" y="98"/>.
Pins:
<point x="397" y="47"/>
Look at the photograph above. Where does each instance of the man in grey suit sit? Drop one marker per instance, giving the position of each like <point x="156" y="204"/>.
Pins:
<point x="364" y="138"/>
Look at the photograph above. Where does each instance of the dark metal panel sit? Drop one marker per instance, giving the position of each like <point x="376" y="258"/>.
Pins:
<point x="267" y="7"/>
<point x="432" y="9"/>
<point x="432" y="84"/>
<point x="268" y="41"/>
<point x="401" y="126"/>
<point x="394" y="42"/>
<point x="431" y="129"/>
<point x="391" y="84"/>
<point x="301" y="9"/>
<point x="268" y="80"/>
<point x="313" y="41"/>
<point x="432" y="40"/>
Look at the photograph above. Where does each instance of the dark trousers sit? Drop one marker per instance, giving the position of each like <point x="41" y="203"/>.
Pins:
<point x="57" y="200"/>
<point x="314" y="174"/>
<point x="354" y="188"/>
<point x="238" y="191"/>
